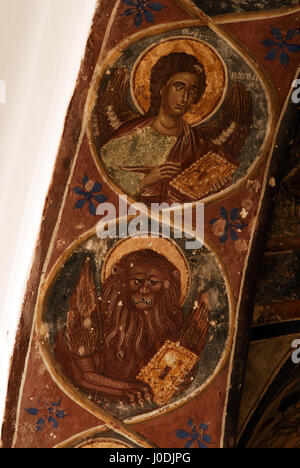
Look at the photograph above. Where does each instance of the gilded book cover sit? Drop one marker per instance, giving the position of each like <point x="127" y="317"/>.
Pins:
<point x="133" y="333"/>
<point x="204" y="177"/>
<point x="166" y="371"/>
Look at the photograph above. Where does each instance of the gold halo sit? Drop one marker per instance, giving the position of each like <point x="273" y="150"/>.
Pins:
<point x="103" y="443"/>
<point x="163" y="246"/>
<point x="215" y="68"/>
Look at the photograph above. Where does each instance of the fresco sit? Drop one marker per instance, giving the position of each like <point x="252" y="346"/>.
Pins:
<point x="133" y="322"/>
<point x="210" y="7"/>
<point x="178" y="117"/>
<point x="137" y="340"/>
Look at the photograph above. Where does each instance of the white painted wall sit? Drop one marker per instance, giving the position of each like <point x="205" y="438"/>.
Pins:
<point x="42" y="43"/>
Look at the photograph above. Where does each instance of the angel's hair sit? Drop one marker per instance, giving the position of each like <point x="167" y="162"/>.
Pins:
<point x="169" y="65"/>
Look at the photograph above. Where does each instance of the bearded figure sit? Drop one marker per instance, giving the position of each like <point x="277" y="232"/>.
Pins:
<point x="108" y="340"/>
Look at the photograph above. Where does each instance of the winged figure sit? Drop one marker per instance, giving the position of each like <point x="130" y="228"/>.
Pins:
<point x="159" y="157"/>
<point x="106" y="344"/>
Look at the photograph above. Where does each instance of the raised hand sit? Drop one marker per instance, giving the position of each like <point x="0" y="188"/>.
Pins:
<point x="166" y="171"/>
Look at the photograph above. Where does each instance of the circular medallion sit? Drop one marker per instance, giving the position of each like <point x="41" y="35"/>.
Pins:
<point x="167" y="309"/>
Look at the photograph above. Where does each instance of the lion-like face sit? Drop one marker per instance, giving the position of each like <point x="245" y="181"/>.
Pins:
<point x="140" y="310"/>
<point x="145" y="284"/>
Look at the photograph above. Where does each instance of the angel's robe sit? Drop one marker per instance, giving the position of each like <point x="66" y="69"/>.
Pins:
<point x="136" y="148"/>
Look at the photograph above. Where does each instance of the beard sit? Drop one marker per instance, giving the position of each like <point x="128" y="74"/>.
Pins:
<point x="133" y="331"/>
<point x="132" y="337"/>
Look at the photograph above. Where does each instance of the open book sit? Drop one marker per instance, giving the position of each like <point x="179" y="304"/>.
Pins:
<point x="204" y="177"/>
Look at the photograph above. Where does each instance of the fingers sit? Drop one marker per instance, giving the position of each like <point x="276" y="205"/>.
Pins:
<point x="147" y="394"/>
<point x="170" y="164"/>
<point x="139" y="394"/>
<point x="169" y="168"/>
<point x="167" y="173"/>
<point x="164" y="169"/>
<point x="168" y="176"/>
<point x="134" y="399"/>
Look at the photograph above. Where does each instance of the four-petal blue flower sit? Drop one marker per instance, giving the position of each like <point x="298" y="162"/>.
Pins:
<point x="230" y="224"/>
<point x="142" y="9"/>
<point x="280" y="45"/>
<point x="90" y="192"/>
<point x="194" y="435"/>
<point x="52" y="416"/>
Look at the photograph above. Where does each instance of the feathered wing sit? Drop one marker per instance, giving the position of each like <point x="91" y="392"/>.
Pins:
<point x="112" y="109"/>
<point x="82" y="331"/>
<point x="193" y="334"/>
<point x="231" y="128"/>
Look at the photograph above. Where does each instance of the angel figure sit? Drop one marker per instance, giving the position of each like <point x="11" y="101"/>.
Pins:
<point x="159" y="157"/>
